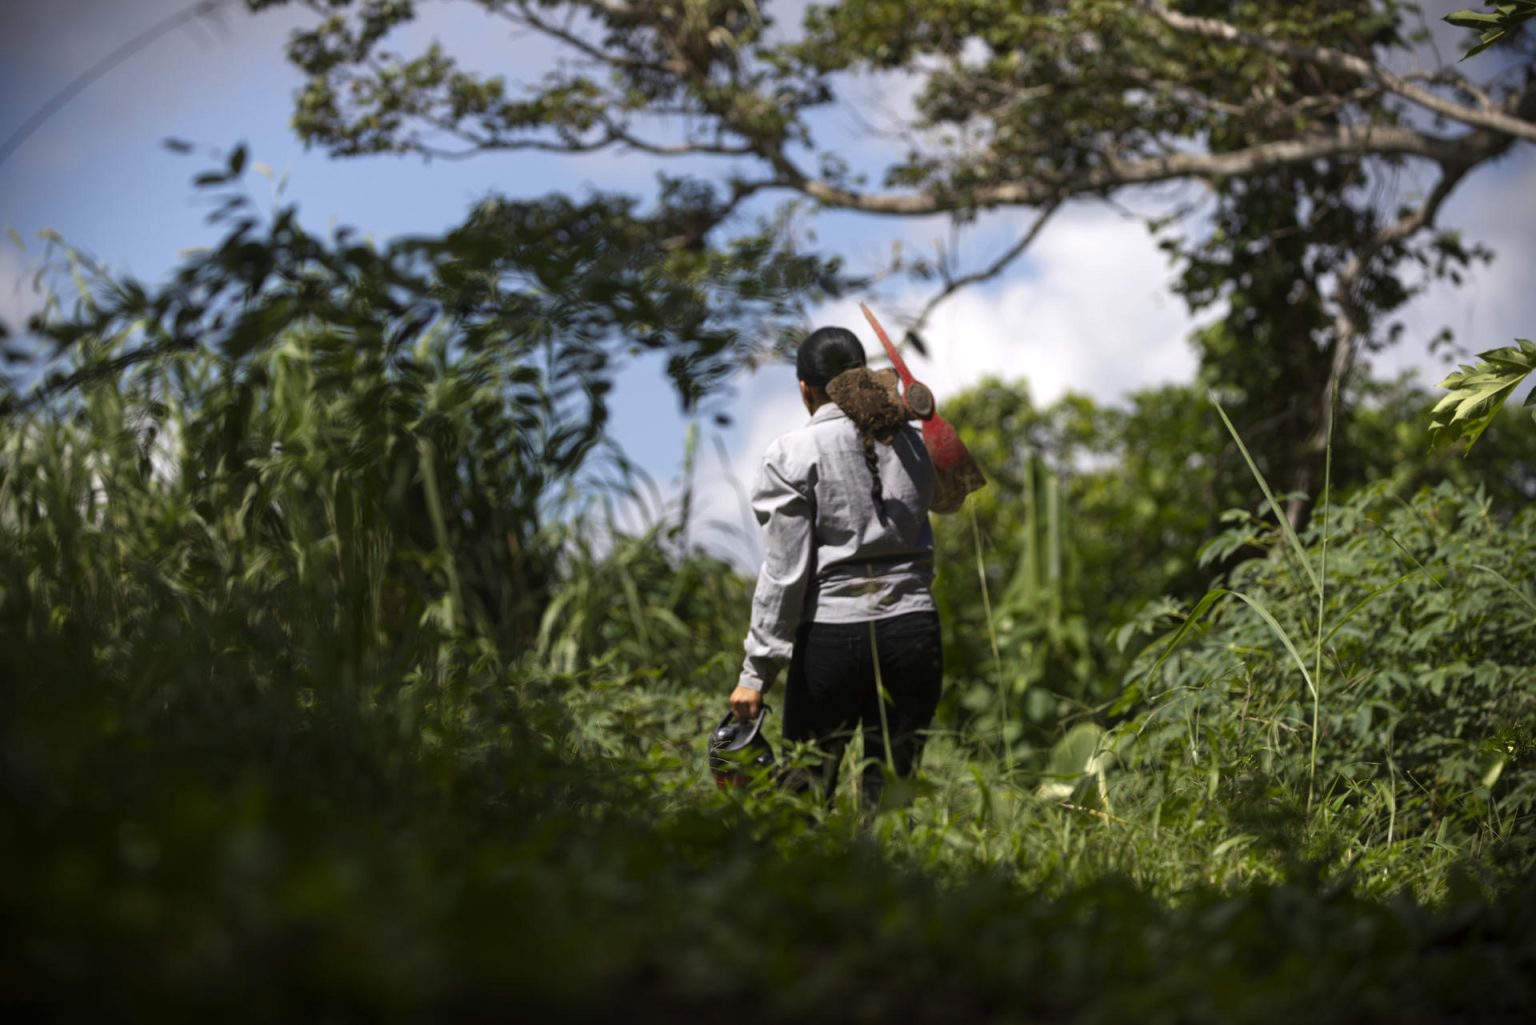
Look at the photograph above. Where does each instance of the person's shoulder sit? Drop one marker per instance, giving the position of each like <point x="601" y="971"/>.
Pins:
<point x="835" y="426"/>
<point x="791" y="448"/>
<point x="805" y="439"/>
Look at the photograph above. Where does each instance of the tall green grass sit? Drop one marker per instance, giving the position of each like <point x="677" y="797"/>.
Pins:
<point x="317" y="705"/>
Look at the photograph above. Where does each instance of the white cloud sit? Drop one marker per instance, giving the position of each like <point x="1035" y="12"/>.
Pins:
<point x="771" y="406"/>
<point x="1091" y="312"/>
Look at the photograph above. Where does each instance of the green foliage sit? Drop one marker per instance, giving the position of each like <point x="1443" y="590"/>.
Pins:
<point x="1085" y="518"/>
<point x="647" y="607"/>
<point x="1500" y="23"/>
<point x="265" y="756"/>
<point x="571" y="285"/>
<point x="1477" y="393"/>
<point x="1097" y="519"/>
<point x="1289" y="118"/>
<point x="321" y="701"/>
<point x="1427" y="676"/>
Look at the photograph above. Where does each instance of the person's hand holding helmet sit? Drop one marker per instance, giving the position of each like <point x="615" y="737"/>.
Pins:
<point x="739" y="754"/>
<point x="746" y="703"/>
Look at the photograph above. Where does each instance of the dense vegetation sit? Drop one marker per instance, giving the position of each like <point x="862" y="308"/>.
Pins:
<point x="321" y="700"/>
<point x="332" y="691"/>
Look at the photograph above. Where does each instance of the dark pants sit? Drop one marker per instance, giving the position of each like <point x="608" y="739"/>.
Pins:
<point x="831" y="692"/>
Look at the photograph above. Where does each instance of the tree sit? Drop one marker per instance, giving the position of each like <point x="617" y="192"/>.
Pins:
<point x="1285" y="124"/>
<point x="1477" y="393"/>
<point x="458" y="382"/>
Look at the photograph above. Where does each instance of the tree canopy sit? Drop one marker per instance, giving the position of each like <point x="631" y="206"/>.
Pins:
<point x="1281" y="130"/>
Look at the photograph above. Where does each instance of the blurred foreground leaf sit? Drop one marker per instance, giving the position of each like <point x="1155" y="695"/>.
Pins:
<point x="1478" y="392"/>
<point x="1500" y="23"/>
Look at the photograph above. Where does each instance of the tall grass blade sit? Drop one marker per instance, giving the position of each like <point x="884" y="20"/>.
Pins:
<point x="1190" y="622"/>
<point x="1508" y="586"/>
<point x="440" y="532"/>
<point x="882" y="697"/>
<point x="1322" y="589"/>
<point x="1279" y="632"/>
<point x="1274" y="505"/>
<point x="1211" y="597"/>
<point x="997" y="658"/>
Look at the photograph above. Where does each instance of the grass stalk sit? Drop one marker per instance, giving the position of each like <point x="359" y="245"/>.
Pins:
<point x="1274" y="504"/>
<point x="440" y="532"/>
<point x="1318" y="579"/>
<point x="997" y="658"/>
<point x="882" y="697"/>
<point x="1322" y="590"/>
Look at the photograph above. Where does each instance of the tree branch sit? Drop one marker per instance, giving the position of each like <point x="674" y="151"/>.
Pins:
<point x="1494" y="119"/>
<point x="997" y="267"/>
<point x="622" y="135"/>
<point x="1471" y="152"/>
<point x="526" y="16"/>
<point x="1476" y="149"/>
<point x="1348" y="139"/>
<point x="1347" y="329"/>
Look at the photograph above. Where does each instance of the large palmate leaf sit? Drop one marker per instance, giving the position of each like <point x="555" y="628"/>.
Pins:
<point x="1477" y="393"/>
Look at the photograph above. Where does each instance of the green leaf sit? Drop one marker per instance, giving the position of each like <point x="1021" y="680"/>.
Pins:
<point x="1279" y="632"/>
<point x="1473" y="19"/>
<point x="1477" y="393"/>
<point x="1495" y="26"/>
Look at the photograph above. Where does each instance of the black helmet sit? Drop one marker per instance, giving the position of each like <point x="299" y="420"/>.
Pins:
<point x="738" y="751"/>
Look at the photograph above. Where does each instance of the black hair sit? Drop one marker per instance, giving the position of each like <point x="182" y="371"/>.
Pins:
<point x="827" y="352"/>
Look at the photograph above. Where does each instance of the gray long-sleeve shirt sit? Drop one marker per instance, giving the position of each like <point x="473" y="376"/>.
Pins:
<point x="827" y="556"/>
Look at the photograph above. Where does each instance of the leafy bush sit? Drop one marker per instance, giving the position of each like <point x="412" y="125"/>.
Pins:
<point x="1426" y="677"/>
<point x="1092" y="511"/>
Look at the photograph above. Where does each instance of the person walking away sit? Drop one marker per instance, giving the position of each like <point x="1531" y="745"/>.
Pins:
<point x="844" y="597"/>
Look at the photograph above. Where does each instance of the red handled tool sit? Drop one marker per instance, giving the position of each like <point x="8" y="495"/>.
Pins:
<point x="958" y="474"/>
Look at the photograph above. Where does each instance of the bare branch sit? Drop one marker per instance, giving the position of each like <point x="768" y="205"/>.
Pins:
<point x="614" y="134"/>
<point x="623" y="135"/>
<point x="997" y="267"/>
<point x="1359" y="140"/>
<point x="1473" y="151"/>
<point x="526" y="16"/>
<point x="1453" y="81"/>
<point x="1347" y="328"/>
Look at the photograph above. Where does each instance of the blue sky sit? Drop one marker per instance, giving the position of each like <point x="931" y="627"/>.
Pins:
<point x="1089" y="309"/>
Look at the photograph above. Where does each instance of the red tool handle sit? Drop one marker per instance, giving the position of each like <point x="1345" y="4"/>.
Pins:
<point x="958" y="475"/>
<point x="890" y="350"/>
<point x="919" y="397"/>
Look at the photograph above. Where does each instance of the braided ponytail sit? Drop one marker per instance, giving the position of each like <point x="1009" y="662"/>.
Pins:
<point x="824" y="355"/>
<point x="876" y="492"/>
